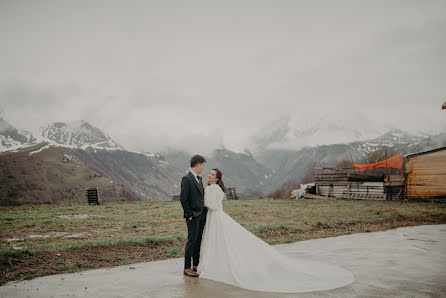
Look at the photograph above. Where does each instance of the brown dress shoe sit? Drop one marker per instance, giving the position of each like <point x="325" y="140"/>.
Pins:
<point x="194" y="268"/>
<point x="190" y="272"/>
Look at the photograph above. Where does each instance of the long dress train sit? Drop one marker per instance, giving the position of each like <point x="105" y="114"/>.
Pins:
<point x="231" y="254"/>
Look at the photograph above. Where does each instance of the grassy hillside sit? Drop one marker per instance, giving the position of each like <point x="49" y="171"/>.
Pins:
<point x="53" y="175"/>
<point x="149" y="176"/>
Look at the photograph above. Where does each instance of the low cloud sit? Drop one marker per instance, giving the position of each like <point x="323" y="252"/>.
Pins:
<point x="199" y="75"/>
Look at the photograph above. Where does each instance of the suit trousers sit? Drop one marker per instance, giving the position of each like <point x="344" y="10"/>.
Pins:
<point x="195" y="228"/>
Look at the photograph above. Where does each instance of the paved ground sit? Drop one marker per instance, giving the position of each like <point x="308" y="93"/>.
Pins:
<point x="404" y="262"/>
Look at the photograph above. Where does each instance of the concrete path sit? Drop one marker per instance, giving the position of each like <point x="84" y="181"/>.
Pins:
<point x="404" y="262"/>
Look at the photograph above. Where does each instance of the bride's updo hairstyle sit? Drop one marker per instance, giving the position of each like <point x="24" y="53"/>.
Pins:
<point x="220" y="181"/>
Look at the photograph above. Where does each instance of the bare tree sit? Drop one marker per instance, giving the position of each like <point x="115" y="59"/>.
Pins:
<point x="285" y="189"/>
<point x="382" y="153"/>
<point x="345" y="163"/>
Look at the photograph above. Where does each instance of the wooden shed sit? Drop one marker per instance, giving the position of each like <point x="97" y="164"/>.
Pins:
<point x="425" y="174"/>
<point x="347" y="183"/>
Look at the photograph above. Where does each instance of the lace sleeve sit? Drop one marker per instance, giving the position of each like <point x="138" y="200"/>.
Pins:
<point x="213" y="197"/>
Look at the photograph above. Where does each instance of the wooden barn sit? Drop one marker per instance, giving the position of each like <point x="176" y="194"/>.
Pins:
<point x="425" y="174"/>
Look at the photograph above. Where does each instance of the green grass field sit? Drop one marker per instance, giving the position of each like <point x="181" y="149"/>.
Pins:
<point x="44" y="227"/>
<point x="159" y="230"/>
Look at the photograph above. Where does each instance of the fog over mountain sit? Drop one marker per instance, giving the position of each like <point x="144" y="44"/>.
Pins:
<point x="66" y="157"/>
<point x="201" y="75"/>
<point x="121" y="94"/>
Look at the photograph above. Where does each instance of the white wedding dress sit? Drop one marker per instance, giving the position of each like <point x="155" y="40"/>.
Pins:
<point x="231" y="254"/>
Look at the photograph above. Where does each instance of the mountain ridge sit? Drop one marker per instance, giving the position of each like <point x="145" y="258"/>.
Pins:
<point x="70" y="134"/>
<point x="157" y="176"/>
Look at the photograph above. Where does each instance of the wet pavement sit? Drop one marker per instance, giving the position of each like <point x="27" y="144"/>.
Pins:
<point x="403" y="262"/>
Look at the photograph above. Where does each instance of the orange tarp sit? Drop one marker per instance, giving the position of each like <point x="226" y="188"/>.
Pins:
<point x="395" y="162"/>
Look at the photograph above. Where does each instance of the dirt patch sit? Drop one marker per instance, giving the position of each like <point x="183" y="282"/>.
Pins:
<point x="278" y="235"/>
<point x="72" y="260"/>
<point x="77" y="216"/>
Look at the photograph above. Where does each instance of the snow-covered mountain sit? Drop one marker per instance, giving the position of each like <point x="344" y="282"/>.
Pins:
<point x="118" y="175"/>
<point x="267" y="169"/>
<point x="294" y="164"/>
<point x="72" y="134"/>
<point x="281" y="153"/>
<point x="293" y="133"/>
<point x="395" y="138"/>
<point x="330" y="154"/>
<point x="12" y="138"/>
<point x="78" y="134"/>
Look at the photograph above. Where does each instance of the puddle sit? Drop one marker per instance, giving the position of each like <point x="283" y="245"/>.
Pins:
<point x="14" y="239"/>
<point x="427" y="240"/>
<point x="419" y="248"/>
<point x="50" y="234"/>
<point x="75" y="235"/>
<point x="77" y="216"/>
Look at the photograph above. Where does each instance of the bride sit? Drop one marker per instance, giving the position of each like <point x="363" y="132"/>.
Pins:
<point x="233" y="255"/>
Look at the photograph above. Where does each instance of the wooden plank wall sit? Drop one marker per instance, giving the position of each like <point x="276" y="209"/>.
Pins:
<point x="338" y="189"/>
<point x="426" y="175"/>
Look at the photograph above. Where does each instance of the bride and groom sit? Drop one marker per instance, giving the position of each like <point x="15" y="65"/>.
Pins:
<point x="229" y="253"/>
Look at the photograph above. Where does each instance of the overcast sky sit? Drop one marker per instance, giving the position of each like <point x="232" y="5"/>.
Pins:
<point x="199" y="74"/>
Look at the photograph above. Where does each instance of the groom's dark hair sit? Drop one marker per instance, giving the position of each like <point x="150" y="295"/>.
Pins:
<point x="196" y="159"/>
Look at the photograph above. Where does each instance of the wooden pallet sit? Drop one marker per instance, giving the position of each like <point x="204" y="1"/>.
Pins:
<point x="231" y="194"/>
<point x="92" y="196"/>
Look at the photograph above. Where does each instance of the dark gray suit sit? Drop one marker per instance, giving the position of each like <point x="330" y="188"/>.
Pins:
<point x="192" y="201"/>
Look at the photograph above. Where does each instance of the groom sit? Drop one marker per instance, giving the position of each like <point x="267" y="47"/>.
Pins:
<point x="192" y="201"/>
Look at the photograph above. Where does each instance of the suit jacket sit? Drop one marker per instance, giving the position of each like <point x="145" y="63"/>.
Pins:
<point x="192" y="196"/>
